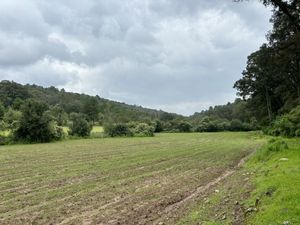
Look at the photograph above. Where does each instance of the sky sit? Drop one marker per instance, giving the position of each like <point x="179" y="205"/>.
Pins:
<point x="178" y="56"/>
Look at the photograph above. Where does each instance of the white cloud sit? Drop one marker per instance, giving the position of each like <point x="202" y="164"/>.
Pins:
<point x="175" y="55"/>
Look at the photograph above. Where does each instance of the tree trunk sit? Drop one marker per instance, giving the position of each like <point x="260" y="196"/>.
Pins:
<point x="269" y="106"/>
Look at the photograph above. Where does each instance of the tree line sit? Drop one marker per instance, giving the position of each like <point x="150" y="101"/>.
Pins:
<point x="270" y="83"/>
<point x="269" y="91"/>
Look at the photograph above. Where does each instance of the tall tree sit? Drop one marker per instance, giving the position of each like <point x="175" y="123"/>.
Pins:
<point x="36" y="124"/>
<point x="91" y="109"/>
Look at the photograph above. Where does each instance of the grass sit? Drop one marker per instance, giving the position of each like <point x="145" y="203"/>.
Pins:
<point x="96" y="129"/>
<point x="265" y="192"/>
<point x="111" y="180"/>
<point x="277" y="185"/>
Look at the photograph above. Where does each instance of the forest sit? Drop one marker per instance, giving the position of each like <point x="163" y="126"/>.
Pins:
<point x="269" y="98"/>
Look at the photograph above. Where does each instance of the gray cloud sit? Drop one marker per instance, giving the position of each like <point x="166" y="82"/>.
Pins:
<point x="180" y="56"/>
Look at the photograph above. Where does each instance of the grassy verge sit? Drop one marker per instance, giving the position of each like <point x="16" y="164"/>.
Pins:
<point x="277" y="182"/>
<point x="265" y="192"/>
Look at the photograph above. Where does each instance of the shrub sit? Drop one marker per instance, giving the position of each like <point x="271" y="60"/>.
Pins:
<point x="287" y="125"/>
<point x="12" y="119"/>
<point x="208" y="126"/>
<point x="143" y="130"/>
<point x="4" y="140"/>
<point x="158" y="125"/>
<point x="36" y="124"/>
<point x="236" y="125"/>
<point x="184" y="127"/>
<point x="117" y="130"/>
<point x="79" y="126"/>
<point x="129" y="130"/>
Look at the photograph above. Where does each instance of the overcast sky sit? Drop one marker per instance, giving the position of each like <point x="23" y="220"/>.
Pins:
<point x="177" y="55"/>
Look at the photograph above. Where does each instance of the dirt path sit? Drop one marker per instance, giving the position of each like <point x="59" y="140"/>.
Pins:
<point x="173" y="211"/>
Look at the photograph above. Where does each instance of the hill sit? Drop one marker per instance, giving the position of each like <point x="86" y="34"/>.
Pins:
<point x="12" y="94"/>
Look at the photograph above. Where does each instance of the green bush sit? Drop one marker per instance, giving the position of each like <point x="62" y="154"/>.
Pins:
<point x="79" y="126"/>
<point x="117" y="130"/>
<point x="236" y="125"/>
<point x="36" y="124"/>
<point x="4" y="140"/>
<point x="143" y="130"/>
<point x="287" y="125"/>
<point x="12" y="119"/>
<point x="129" y="130"/>
<point x="184" y="127"/>
<point x="158" y="125"/>
<point x="208" y="124"/>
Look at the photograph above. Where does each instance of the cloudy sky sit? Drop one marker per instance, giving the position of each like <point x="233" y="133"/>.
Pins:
<point x="177" y="55"/>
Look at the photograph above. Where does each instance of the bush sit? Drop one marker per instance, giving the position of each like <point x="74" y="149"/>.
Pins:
<point x="184" y="127"/>
<point x="36" y="124"/>
<point x="208" y="125"/>
<point x="143" y="130"/>
<point x="4" y="140"/>
<point x="129" y="130"/>
<point x="117" y="130"/>
<point x="287" y="125"/>
<point x="236" y="125"/>
<point x="12" y="119"/>
<point x="158" y="125"/>
<point x="79" y="126"/>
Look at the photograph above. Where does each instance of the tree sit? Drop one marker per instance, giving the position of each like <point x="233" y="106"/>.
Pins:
<point x="59" y="114"/>
<point x="184" y="127"/>
<point x="289" y="9"/>
<point x="271" y="81"/>
<point x="259" y="80"/>
<point x="158" y="126"/>
<point x="12" y="119"/>
<point x="2" y="111"/>
<point x="91" y="109"/>
<point x="79" y="126"/>
<point x="9" y="91"/>
<point x="36" y="124"/>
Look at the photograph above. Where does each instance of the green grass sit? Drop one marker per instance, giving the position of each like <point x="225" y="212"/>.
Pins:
<point x="111" y="180"/>
<point x="96" y="129"/>
<point x="266" y="179"/>
<point x="277" y="184"/>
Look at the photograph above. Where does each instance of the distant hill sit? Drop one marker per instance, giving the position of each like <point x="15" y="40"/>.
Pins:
<point x="12" y="94"/>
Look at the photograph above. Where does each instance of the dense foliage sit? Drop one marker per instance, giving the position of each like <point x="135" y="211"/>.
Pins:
<point x="118" y="130"/>
<point x="36" y="124"/>
<point x="61" y="103"/>
<point x="129" y="130"/>
<point x="79" y="126"/>
<point x="286" y="125"/>
<point x="271" y="81"/>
